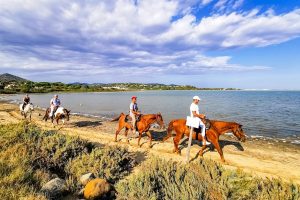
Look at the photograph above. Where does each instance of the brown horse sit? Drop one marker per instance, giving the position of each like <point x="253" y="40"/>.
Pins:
<point x="61" y="113"/>
<point x="142" y="126"/>
<point x="216" y="129"/>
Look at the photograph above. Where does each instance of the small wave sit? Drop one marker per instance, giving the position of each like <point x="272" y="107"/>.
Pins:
<point x="91" y="115"/>
<point x="295" y="142"/>
<point x="257" y="136"/>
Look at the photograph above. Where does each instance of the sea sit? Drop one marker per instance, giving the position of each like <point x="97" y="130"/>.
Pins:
<point x="267" y="114"/>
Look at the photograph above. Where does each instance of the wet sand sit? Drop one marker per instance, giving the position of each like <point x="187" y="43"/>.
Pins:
<point x="264" y="158"/>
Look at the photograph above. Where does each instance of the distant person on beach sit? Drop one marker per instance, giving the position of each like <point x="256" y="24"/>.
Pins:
<point x="54" y="104"/>
<point x="194" y="109"/>
<point x="133" y="112"/>
<point x="26" y="100"/>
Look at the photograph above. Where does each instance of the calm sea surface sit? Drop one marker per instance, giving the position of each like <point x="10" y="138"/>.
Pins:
<point x="263" y="113"/>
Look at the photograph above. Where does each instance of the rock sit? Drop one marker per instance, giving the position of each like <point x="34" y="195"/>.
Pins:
<point x="84" y="179"/>
<point x="96" y="188"/>
<point x="55" y="188"/>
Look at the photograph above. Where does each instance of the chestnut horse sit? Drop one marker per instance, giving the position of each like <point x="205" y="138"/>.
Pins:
<point x="216" y="129"/>
<point x="142" y="126"/>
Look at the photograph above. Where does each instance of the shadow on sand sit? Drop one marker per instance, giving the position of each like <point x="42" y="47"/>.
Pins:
<point x="87" y="123"/>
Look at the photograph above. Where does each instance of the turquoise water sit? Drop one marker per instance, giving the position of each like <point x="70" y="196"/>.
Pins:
<point x="263" y="113"/>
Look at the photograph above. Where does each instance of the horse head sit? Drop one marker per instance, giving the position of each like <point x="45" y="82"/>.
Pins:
<point x="31" y="107"/>
<point x="239" y="132"/>
<point x="159" y="120"/>
<point x="67" y="114"/>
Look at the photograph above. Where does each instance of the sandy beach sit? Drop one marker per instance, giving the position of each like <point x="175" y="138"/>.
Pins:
<point x="263" y="158"/>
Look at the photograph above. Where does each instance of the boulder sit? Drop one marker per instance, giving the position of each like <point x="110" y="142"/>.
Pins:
<point x="84" y="179"/>
<point x="55" y="188"/>
<point x="96" y="189"/>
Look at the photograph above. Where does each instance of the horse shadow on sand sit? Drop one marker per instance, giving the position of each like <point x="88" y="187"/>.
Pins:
<point x="87" y="123"/>
<point x="211" y="147"/>
<point x="157" y="137"/>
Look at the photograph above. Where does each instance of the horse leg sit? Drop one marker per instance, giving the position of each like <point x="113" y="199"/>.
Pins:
<point x="118" y="131"/>
<point x="140" y="136"/>
<point x="176" y="141"/>
<point x="126" y="134"/>
<point x="169" y="133"/>
<point x="220" y="151"/>
<point x="30" y="116"/>
<point x="150" y="138"/>
<point x="202" y="150"/>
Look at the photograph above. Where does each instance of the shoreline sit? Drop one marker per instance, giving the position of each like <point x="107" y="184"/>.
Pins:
<point x="259" y="157"/>
<point x="285" y="140"/>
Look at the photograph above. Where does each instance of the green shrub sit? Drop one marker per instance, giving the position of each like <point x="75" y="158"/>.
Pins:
<point x="30" y="157"/>
<point x="202" y="180"/>
<point x="111" y="163"/>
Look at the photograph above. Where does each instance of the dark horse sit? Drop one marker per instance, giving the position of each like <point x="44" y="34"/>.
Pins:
<point x="142" y="126"/>
<point x="216" y="129"/>
<point x="61" y="113"/>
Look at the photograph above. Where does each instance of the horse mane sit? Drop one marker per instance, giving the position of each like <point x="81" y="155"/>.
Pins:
<point x="219" y="121"/>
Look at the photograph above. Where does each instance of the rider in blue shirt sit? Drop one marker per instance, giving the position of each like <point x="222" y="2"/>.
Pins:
<point x="54" y="104"/>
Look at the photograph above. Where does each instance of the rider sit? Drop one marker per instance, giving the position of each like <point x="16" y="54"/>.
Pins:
<point x="54" y="104"/>
<point x="26" y="100"/>
<point x="133" y="112"/>
<point x="194" y="109"/>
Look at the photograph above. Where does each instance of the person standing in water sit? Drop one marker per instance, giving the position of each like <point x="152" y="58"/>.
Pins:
<point x="133" y="112"/>
<point x="194" y="110"/>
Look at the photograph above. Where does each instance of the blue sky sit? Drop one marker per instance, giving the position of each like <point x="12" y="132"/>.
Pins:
<point x="206" y="43"/>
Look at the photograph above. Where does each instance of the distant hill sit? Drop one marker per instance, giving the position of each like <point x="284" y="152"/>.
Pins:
<point x="5" y="78"/>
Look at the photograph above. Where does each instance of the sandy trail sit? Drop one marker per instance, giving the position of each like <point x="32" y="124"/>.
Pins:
<point x="259" y="157"/>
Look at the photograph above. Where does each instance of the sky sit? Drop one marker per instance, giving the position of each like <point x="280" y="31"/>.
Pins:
<point x="249" y="44"/>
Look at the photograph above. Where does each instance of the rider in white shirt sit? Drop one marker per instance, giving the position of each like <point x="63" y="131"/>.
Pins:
<point x="194" y="109"/>
<point x="133" y="112"/>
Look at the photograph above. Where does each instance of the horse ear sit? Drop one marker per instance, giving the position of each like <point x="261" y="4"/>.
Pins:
<point x="68" y="111"/>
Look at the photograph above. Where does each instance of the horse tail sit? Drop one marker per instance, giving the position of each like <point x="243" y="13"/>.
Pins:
<point x="116" y="119"/>
<point x="46" y="116"/>
<point x="169" y="131"/>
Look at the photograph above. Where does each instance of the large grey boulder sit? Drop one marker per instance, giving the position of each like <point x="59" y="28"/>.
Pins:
<point x="84" y="179"/>
<point x="55" y="188"/>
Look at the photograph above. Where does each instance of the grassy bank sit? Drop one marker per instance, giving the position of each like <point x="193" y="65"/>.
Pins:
<point x="30" y="157"/>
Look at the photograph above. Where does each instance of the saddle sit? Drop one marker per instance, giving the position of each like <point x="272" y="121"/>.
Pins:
<point x="207" y="127"/>
<point x="138" y="118"/>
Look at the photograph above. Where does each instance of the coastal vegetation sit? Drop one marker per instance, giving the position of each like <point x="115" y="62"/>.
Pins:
<point x="11" y="84"/>
<point x="30" y="157"/>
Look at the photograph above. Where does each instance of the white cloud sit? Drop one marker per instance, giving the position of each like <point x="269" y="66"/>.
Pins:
<point x="235" y="30"/>
<point x="140" y="36"/>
